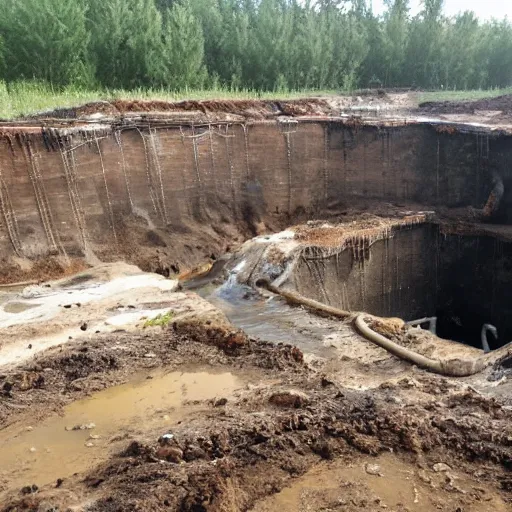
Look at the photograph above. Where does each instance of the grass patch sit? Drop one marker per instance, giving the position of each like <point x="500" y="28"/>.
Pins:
<point x="29" y="97"/>
<point x="462" y="95"/>
<point x="161" y="320"/>
<point x="19" y="99"/>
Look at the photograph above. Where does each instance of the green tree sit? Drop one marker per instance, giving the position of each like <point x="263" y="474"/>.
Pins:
<point x="183" y="49"/>
<point x="348" y="31"/>
<point x="423" y="61"/>
<point x="395" y="40"/>
<point x="45" y="40"/>
<point x="458" y="60"/>
<point x="495" y="54"/>
<point x="270" y="44"/>
<point x="126" y="42"/>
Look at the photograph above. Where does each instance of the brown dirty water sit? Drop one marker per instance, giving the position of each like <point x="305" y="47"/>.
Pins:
<point x="40" y="454"/>
<point x="382" y="483"/>
<point x="19" y="307"/>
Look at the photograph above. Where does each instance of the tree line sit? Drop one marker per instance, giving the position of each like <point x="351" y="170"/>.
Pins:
<point x="254" y="44"/>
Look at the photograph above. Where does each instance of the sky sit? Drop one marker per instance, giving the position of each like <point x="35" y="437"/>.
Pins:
<point x="484" y="9"/>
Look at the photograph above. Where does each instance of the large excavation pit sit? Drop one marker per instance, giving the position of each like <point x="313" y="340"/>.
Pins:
<point x="152" y="258"/>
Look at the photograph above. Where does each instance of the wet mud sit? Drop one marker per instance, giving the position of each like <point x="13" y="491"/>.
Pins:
<point x="85" y="432"/>
<point x="242" y="443"/>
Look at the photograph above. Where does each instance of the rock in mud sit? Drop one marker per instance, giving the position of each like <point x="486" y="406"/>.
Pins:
<point x="441" y="467"/>
<point x="170" y="454"/>
<point x="29" y="489"/>
<point x="290" y="398"/>
<point x="85" y="426"/>
<point x="135" y="449"/>
<point x="193" y="452"/>
<point x="166" y="439"/>
<point x="326" y="382"/>
<point x="7" y="388"/>
<point x="373" y="469"/>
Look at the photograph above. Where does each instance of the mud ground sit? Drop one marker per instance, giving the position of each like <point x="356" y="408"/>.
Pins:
<point x="349" y="428"/>
<point x="500" y="103"/>
<point x="292" y="421"/>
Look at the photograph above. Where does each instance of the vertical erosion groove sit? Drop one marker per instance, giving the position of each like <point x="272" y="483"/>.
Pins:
<point x="246" y="144"/>
<point x="156" y="164"/>
<point x="151" y="189"/>
<point x="109" y="204"/>
<point x="478" y="166"/>
<point x="326" y="164"/>
<point x="74" y="196"/>
<point x="119" y="141"/>
<point x="289" y="169"/>
<point x="43" y="205"/>
<point x="196" y="167"/>
<point x="9" y="216"/>
<point x="231" y="170"/>
<point x="437" y="168"/>
<point x="212" y="160"/>
<point x="212" y="192"/>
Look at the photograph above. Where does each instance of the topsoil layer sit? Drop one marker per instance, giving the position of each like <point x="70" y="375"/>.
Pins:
<point x="249" y="109"/>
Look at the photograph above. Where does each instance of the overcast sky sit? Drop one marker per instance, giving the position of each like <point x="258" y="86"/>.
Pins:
<point x="484" y="9"/>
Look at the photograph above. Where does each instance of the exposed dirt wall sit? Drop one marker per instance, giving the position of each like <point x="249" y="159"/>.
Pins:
<point x="168" y="198"/>
<point x="394" y="277"/>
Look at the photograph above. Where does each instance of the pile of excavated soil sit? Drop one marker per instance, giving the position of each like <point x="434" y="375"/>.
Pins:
<point x="230" y="110"/>
<point x="211" y="109"/>
<point x="500" y="103"/>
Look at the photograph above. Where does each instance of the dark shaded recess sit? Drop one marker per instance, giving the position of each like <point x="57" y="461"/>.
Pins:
<point x="466" y="281"/>
<point x="475" y="279"/>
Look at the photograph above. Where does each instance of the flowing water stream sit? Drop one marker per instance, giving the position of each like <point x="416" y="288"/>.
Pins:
<point x="270" y="319"/>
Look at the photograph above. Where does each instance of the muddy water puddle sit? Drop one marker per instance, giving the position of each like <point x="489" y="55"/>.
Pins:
<point x="382" y="483"/>
<point x="19" y="307"/>
<point x="90" y="430"/>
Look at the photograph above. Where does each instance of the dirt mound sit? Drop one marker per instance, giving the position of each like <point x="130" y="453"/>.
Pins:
<point x="249" y="109"/>
<point x="500" y="103"/>
<point x="38" y="270"/>
<point x="61" y="375"/>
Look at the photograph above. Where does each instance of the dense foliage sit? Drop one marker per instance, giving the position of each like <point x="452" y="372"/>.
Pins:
<point x="256" y="44"/>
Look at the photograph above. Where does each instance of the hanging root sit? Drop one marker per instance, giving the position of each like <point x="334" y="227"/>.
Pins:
<point x="448" y="368"/>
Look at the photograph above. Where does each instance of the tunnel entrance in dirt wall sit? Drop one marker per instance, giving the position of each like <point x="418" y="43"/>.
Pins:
<point x="422" y="271"/>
